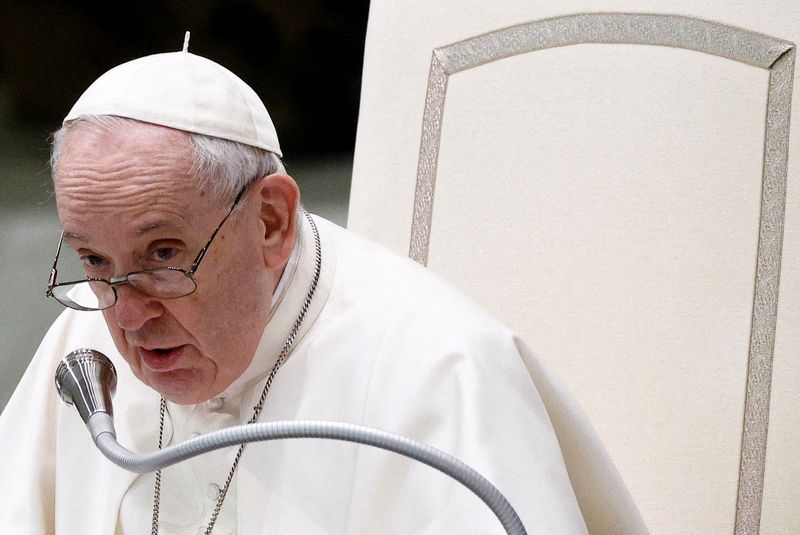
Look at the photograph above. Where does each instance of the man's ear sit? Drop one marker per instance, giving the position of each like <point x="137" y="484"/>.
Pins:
<point x="279" y="197"/>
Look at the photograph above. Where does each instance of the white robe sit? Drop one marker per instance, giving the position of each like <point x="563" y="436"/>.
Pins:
<point x="385" y="344"/>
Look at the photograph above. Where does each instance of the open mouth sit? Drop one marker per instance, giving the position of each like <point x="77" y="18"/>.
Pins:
<point x="161" y="358"/>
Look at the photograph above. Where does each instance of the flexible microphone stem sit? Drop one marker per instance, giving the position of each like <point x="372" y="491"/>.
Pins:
<point x="83" y="379"/>
<point x="107" y="443"/>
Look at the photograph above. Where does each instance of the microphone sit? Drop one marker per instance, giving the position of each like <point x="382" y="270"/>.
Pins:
<point x="87" y="379"/>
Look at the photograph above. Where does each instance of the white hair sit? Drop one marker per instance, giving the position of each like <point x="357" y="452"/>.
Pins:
<point x="223" y="166"/>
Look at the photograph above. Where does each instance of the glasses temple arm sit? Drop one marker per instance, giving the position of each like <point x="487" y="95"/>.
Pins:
<point x="54" y="270"/>
<point x="202" y="252"/>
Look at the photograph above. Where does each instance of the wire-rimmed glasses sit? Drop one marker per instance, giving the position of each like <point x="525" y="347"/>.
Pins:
<point x="162" y="283"/>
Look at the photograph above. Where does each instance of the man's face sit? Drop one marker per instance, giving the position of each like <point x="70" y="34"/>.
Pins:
<point x="127" y="203"/>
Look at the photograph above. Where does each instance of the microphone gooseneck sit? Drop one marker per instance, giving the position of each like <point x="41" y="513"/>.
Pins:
<point x="87" y="379"/>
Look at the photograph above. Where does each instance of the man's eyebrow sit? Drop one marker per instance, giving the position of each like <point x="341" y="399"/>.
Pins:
<point x="158" y="225"/>
<point x="141" y="231"/>
<point x="69" y="236"/>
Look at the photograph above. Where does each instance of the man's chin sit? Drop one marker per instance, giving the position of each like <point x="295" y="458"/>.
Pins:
<point x="179" y="386"/>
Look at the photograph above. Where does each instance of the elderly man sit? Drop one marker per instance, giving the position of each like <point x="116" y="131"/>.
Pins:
<point x="222" y="302"/>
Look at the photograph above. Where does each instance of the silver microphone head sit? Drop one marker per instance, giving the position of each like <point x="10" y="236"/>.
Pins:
<point x="87" y="379"/>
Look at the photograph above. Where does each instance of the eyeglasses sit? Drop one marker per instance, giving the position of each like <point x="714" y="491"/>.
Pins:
<point x="161" y="283"/>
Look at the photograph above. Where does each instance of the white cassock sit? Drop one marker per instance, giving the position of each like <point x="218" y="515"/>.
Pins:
<point x="385" y="344"/>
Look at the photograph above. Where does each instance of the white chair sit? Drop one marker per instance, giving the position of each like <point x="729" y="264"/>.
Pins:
<point x="593" y="176"/>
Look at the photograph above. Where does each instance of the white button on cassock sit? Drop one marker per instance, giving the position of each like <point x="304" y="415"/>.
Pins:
<point x="215" y="404"/>
<point x="213" y="491"/>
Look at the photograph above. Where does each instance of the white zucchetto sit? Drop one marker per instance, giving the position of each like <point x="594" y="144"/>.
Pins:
<point x="183" y="91"/>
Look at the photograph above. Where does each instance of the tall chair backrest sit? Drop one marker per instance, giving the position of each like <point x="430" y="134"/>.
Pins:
<point x="617" y="181"/>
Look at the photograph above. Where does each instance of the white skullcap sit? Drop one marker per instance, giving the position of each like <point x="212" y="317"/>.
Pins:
<point x="183" y="91"/>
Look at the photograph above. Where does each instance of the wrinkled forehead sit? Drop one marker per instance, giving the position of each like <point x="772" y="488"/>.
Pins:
<point x="129" y="173"/>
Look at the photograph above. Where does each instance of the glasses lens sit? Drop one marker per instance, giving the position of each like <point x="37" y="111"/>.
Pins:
<point x="163" y="283"/>
<point x="86" y="295"/>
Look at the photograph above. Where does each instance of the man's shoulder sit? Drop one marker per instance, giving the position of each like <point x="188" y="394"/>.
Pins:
<point x="394" y="289"/>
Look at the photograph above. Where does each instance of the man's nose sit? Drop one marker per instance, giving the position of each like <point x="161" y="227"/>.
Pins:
<point x="133" y="308"/>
